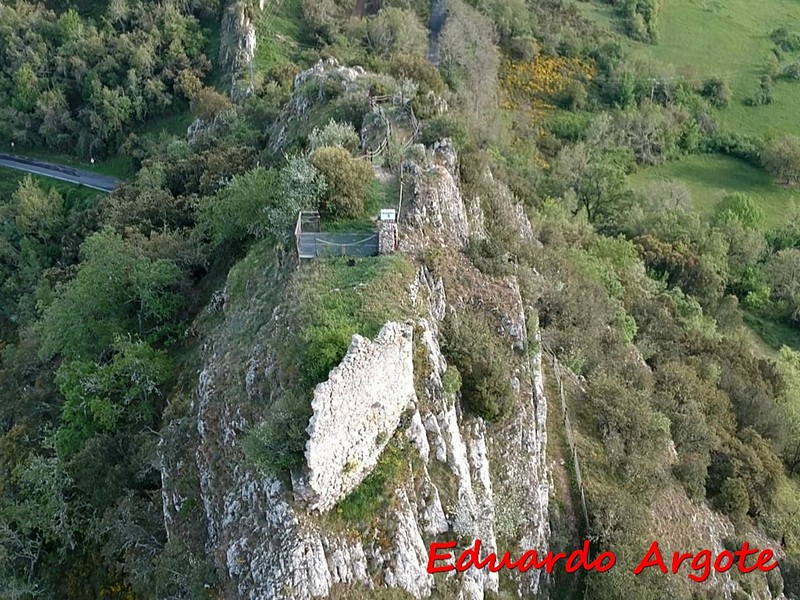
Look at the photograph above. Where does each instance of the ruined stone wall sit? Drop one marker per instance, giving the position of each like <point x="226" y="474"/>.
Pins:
<point x="356" y="411"/>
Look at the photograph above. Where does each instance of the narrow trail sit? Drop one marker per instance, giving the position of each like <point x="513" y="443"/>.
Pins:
<point x="95" y="181"/>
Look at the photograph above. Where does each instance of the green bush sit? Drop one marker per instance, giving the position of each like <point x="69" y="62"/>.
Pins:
<point x="781" y="158"/>
<point x="570" y="126"/>
<point x="788" y="41"/>
<point x="418" y="69"/>
<point x="483" y="363"/>
<point x="733" y="499"/>
<point x="395" y="31"/>
<point x="347" y="180"/>
<point x="278" y="444"/>
<point x="451" y="380"/>
<point x="445" y="126"/>
<point x="236" y="212"/>
<point x="739" y="145"/>
<point x="717" y="91"/>
<point x="765" y="95"/>
<point x="790" y="569"/>
<point x="574" y="96"/>
<point x="333" y="134"/>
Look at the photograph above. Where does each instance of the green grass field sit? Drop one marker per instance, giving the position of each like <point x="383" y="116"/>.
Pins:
<point x="725" y="38"/>
<point x="709" y="177"/>
<point x="278" y="29"/>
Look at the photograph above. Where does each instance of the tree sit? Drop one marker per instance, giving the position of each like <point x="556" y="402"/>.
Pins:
<point x="788" y="365"/>
<point x="783" y="273"/>
<point x="334" y="134"/>
<point x="594" y="178"/>
<point x="237" y="211"/>
<point x="347" y="181"/>
<point x="483" y="363"/>
<point x="112" y="396"/>
<point x="396" y="31"/>
<point x="717" y="91"/>
<point x="302" y="188"/>
<point x="470" y="59"/>
<point x="207" y="103"/>
<point x="115" y="291"/>
<point x="741" y="208"/>
<point x="781" y="158"/>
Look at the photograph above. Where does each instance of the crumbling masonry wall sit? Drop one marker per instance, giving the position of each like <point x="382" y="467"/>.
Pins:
<point x="355" y="413"/>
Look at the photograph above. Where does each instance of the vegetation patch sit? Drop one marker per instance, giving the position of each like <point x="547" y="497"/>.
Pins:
<point x="376" y="493"/>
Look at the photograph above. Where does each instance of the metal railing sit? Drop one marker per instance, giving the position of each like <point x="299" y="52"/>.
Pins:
<point x="316" y="243"/>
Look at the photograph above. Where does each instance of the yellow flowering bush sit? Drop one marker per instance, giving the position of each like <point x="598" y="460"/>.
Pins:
<point x="535" y="83"/>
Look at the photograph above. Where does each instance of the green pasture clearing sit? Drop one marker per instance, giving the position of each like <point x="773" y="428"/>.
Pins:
<point x="278" y="29"/>
<point x="772" y="333"/>
<point x="710" y="177"/>
<point x="722" y="38"/>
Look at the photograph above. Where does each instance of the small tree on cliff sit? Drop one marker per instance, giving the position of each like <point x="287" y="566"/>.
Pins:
<point x="348" y="179"/>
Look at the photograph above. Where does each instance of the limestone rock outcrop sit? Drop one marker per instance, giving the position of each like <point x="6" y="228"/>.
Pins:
<point x="237" y="48"/>
<point x="464" y="479"/>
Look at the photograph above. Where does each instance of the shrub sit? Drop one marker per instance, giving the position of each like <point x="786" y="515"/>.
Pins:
<point x="277" y="445"/>
<point x="451" y="380"/>
<point x="302" y="188"/>
<point x="765" y="94"/>
<point x="523" y="48"/>
<point x="717" y="91"/>
<point x="472" y="347"/>
<point x="489" y="255"/>
<point x="733" y="499"/>
<point x="641" y="18"/>
<point x="790" y="569"/>
<point x="747" y="148"/>
<point x="236" y="212"/>
<point x="788" y="41"/>
<point x="791" y="71"/>
<point x="784" y="277"/>
<point x="207" y="103"/>
<point x="445" y="126"/>
<point x="418" y="69"/>
<point x="570" y="126"/>
<point x="782" y="159"/>
<point x="347" y="180"/>
<point x="334" y="134"/>
<point x="394" y="31"/>
<point x="573" y="96"/>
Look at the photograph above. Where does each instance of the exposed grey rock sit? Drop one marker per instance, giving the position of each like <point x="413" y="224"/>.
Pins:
<point x="237" y="48"/>
<point x="436" y="214"/>
<point x="408" y="568"/>
<point x="460" y="478"/>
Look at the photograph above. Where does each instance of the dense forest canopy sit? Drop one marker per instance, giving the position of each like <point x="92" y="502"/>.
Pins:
<point x="72" y="83"/>
<point x="677" y="309"/>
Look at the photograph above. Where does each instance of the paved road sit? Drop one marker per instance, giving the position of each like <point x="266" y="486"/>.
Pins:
<point x="438" y="17"/>
<point x="104" y="183"/>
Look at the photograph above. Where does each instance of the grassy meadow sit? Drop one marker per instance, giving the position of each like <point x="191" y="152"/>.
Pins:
<point x="728" y="39"/>
<point x="710" y="177"/>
